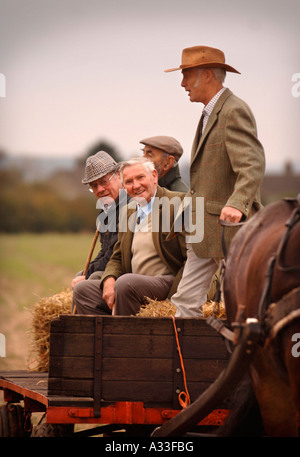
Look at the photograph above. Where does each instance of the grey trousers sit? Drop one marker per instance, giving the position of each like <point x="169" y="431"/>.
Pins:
<point x="130" y="289"/>
<point x="194" y="285"/>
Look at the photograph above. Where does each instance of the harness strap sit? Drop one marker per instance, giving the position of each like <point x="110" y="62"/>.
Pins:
<point x="282" y="313"/>
<point x="293" y="220"/>
<point x="220" y="327"/>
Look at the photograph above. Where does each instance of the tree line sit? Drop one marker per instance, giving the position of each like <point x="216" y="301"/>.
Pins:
<point x="63" y="205"/>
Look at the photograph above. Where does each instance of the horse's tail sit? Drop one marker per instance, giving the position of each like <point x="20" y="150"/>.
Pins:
<point x="245" y="418"/>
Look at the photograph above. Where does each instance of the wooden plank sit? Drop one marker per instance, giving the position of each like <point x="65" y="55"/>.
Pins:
<point x="147" y="346"/>
<point x="37" y="382"/>
<point x="71" y="387"/>
<point x="143" y="346"/>
<point x="206" y="347"/>
<point x="113" y="390"/>
<point x="22" y="374"/>
<point x="203" y="370"/>
<point x="72" y="367"/>
<point x="160" y="393"/>
<point x="73" y="323"/>
<point x="130" y="325"/>
<point x="125" y="369"/>
<point x="81" y="345"/>
<point x="131" y="369"/>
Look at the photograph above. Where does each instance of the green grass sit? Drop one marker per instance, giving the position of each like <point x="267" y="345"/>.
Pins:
<point x="44" y="263"/>
<point x="34" y="266"/>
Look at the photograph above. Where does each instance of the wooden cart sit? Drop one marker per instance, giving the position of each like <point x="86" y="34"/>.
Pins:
<point x="116" y="373"/>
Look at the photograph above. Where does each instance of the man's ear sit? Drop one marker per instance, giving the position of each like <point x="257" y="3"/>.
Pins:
<point x="168" y="163"/>
<point x="155" y="174"/>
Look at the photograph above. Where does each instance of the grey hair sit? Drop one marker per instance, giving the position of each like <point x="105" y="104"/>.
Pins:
<point x="219" y="73"/>
<point x="165" y="155"/>
<point x="147" y="164"/>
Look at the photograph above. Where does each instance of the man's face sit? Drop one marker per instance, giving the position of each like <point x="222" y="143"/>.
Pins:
<point x="107" y="188"/>
<point x="139" y="183"/>
<point x="192" y="83"/>
<point x="156" y="156"/>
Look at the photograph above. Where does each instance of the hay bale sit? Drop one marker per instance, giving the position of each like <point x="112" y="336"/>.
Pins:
<point x="164" y="308"/>
<point x="216" y="309"/>
<point x="43" y="312"/>
<point x="156" y="308"/>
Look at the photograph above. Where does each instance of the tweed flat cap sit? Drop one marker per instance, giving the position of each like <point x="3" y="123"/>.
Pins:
<point x="167" y="144"/>
<point x="98" y="165"/>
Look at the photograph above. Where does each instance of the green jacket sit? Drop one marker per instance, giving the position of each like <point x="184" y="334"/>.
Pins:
<point x="227" y="168"/>
<point x="173" y="181"/>
<point x="171" y="252"/>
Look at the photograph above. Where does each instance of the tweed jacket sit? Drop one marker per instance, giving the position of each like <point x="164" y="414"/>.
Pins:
<point x="107" y="238"/>
<point x="227" y="168"/>
<point x="171" y="252"/>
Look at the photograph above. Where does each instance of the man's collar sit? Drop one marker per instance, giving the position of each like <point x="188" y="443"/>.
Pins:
<point x="210" y="105"/>
<point x="143" y="211"/>
<point x="169" y="177"/>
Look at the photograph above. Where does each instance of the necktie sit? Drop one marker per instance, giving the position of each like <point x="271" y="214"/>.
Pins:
<point x="201" y="125"/>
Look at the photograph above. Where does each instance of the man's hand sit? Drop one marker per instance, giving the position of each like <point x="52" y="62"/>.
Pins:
<point x="231" y="214"/>
<point x="76" y="280"/>
<point x="109" y="292"/>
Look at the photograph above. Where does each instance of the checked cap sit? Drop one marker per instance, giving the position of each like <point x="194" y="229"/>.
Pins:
<point x="98" y="165"/>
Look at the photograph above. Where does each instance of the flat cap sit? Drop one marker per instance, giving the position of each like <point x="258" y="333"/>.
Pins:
<point x="167" y="144"/>
<point x="98" y="165"/>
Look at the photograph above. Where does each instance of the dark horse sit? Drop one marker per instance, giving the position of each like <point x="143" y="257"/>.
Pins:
<point x="262" y="279"/>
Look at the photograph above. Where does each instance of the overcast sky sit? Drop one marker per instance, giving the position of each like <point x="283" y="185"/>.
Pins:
<point x="82" y="70"/>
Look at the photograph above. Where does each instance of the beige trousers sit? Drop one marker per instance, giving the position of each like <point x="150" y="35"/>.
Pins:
<point x="194" y="285"/>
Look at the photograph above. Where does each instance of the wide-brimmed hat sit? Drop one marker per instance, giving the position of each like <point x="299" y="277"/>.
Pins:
<point x="97" y="166"/>
<point x="167" y="144"/>
<point x="204" y="57"/>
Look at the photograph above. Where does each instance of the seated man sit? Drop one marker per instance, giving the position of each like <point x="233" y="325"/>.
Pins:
<point x="143" y="263"/>
<point x="101" y="174"/>
<point x="165" y="152"/>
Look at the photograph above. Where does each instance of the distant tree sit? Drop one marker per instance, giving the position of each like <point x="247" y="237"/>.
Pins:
<point x="101" y="145"/>
<point x="2" y="156"/>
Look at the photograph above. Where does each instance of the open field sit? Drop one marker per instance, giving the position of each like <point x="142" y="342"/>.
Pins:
<point x="31" y="267"/>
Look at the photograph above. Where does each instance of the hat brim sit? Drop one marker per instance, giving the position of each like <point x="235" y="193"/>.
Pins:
<point x="205" y="65"/>
<point x="112" y="170"/>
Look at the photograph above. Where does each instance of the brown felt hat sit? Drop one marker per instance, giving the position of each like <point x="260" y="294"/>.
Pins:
<point x="203" y="57"/>
<point x="167" y="144"/>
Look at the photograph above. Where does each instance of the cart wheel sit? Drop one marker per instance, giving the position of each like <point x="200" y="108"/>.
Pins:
<point x="52" y="430"/>
<point x="12" y="421"/>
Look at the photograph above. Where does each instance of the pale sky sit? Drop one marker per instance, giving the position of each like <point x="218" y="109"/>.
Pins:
<point x="78" y="71"/>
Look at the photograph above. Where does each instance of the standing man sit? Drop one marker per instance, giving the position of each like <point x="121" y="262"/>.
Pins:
<point x="226" y="169"/>
<point x="143" y="263"/>
<point x="165" y="152"/>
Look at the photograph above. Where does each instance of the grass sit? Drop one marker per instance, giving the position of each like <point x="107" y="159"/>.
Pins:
<point x="33" y="266"/>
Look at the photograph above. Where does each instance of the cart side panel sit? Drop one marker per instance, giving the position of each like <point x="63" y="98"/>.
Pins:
<point x="132" y="358"/>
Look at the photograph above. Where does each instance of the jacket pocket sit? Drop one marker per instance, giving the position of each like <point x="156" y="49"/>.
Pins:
<point x="214" y="207"/>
